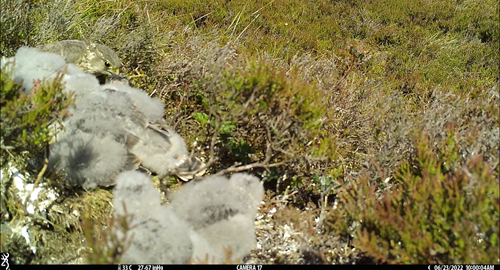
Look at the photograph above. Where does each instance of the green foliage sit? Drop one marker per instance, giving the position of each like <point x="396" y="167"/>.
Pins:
<point x="202" y="118"/>
<point x="227" y="127"/>
<point x="106" y="247"/>
<point x="345" y="80"/>
<point x="266" y="114"/>
<point x="434" y="213"/>
<point x="259" y="89"/>
<point x="15" y="26"/>
<point x="26" y="116"/>
<point x="31" y="23"/>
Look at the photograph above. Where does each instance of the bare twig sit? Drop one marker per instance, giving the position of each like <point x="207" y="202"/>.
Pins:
<point x="236" y="168"/>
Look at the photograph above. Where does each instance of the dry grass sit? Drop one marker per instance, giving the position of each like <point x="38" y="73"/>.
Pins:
<point x="324" y="101"/>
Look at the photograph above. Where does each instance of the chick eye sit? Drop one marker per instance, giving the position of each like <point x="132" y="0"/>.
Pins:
<point x="107" y="64"/>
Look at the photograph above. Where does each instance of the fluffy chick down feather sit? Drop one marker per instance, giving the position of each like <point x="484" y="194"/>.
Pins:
<point x="205" y="219"/>
<point x="112" y="127"/>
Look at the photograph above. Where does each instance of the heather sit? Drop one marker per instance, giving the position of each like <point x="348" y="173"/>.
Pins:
<point x="374" y="125"/>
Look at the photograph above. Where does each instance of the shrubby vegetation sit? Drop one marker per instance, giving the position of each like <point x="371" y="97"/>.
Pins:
<point x="374" y="125"/>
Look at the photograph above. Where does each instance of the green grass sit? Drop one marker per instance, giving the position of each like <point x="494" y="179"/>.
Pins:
<point x="392" y="98"/>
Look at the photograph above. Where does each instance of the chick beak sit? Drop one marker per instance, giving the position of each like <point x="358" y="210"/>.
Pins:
<point x="113" y="72"/>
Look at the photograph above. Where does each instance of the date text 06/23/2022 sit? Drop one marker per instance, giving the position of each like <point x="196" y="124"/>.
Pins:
<point x="461" y="267"/>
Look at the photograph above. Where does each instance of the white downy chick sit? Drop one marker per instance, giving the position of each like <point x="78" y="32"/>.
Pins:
<point x="221" y="215"/>
<point x="157" y="235"/>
